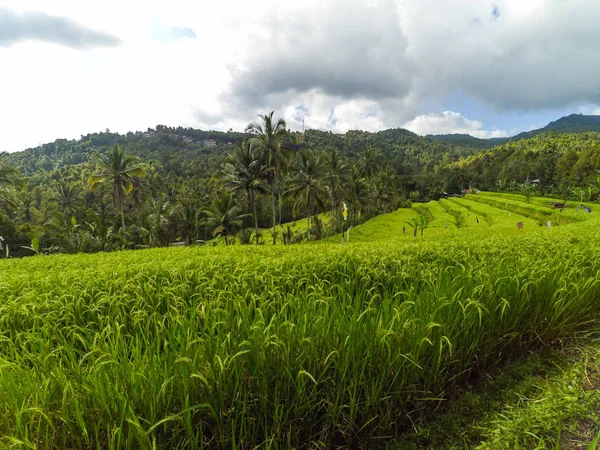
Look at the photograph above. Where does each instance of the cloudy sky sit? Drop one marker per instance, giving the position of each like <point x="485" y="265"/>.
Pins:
<point x="487" y="68"/>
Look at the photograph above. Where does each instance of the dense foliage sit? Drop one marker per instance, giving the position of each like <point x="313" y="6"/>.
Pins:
<point x="189" y="185"/>
<point x="555" y="163"/>
<point x="466" y="140"/>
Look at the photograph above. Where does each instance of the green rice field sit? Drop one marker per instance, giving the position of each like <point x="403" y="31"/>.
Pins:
<point x="298" y="346"/>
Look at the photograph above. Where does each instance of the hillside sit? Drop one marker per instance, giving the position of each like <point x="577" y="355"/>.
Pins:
<point x="575" y="123"/>
<point x="561" y="164"/>
<point x="174" y="146"/>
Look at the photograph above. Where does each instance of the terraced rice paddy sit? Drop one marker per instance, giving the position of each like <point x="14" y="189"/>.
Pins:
<point x="312" y="346"/>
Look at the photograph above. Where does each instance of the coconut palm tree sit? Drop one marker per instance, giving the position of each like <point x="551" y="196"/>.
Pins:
<point x="187" y="213"/>
<point x="9" y="179"/>
<point x="359" y="189"/>
<point x="8" y="176"/>
<point x="67" y="197"/>
<point x="308" y="183"/>
<point x="224" y="215"/>
<point x="369" y="163"/>
<point x="381" y="192"/>
<point x="338" y="177"/>
<point x="118" y="169"/>
<point x="272" y="138"/>
<point x="244" y="172"/>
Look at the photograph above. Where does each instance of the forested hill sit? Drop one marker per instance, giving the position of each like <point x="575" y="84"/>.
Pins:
<point x="188" y="185"/>
<point x="178" y="148"/>
<point x="575" y="123"/>
<point x="172" y="147"/>
<point x="558" y="163"/>
<point x="466" y="140"/>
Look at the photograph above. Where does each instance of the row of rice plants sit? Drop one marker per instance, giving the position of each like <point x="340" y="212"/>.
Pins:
<point x="457" y="213"/>
<point x="442" y="220"/>
<point x="539" y="213"/>
<point x="503" y="221"/>
<point x="541" y="201"/>
<point x="302" y="346"/>
<point x="480" y="214"/>
<point x="570" y="211"/>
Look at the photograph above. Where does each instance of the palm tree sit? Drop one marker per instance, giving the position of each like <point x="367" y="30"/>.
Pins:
<point x="8" y="176"/>
<point x="27" y="207"/>
<point x="224" y="215"/>
<point x="382" y="192"/>
<point x="308" y="184"/>
<point x="338" y="176"/>
<point x="100" y="236"/>
<point x="271" y="139"/>
<point x="359" y="189"/>
<point x="244" y="172"/>
<point x="118" y="169"/>
<point x="9" y="179"/>
<point x="187" y="215"/>
<point x="67" y="197"/>
<point x="369" y="163"/>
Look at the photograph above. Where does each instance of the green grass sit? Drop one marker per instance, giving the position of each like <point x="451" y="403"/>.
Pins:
<point x="549" y="399"/>
<point x="312" y="346"/>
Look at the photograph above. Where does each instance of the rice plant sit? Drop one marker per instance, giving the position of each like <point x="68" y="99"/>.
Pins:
<point x="309" y="346"/>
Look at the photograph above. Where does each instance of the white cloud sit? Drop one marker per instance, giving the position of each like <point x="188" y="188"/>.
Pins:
<point x="538" y="54"/>
<point x="339" y="65"/>
<point x="450" y="122"/>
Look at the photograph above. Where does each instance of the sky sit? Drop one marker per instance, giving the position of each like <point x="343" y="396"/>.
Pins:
<point x="489" y="69"/>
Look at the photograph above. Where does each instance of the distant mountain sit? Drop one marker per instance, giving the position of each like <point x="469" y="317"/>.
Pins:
<point x="575" y="123"/>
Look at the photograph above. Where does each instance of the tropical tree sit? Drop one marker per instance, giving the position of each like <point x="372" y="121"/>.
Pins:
<point x="118" y="169"/>
<point x="9" y="176"/>
<point x="359" y="189"/>
<point x="67" y="197"/>
<point x="382" y="190"/>
<point x="272" y="138"/>
<point x="9" y="179"/>
<point x="338" y="177"/>
<point x="26" y="207"/>
<point x="224" y="215"/>
<point x="187" y="215"/>
<point x="100" y="236"/>
<point x="368" y="164"/>
<point x="308" y="184"/>
<point x="423" y="223"/>
<point x="244" y="172"/>
<point x="159" y="225"/>
<point x="527" y="189"/>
